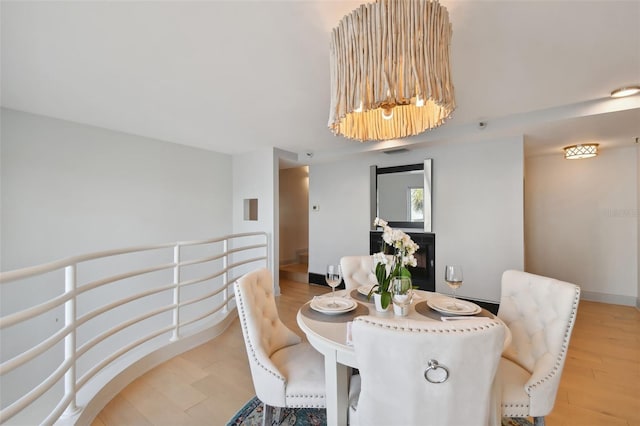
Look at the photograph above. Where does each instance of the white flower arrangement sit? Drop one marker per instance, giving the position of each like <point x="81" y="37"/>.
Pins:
<point x="386" y="269"/>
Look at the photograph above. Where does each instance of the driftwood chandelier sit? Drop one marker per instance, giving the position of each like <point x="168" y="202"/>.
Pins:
<point x="390" y="74"/>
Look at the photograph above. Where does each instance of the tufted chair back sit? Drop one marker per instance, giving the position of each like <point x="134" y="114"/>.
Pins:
<point x="393" y="357"/>
<point x="540" y="312"/>
<point x="285" y="371"/>
<point x="357" y="271"/>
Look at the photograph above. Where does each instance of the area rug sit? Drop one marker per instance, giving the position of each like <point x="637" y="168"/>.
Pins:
<point x="251" y="415"/>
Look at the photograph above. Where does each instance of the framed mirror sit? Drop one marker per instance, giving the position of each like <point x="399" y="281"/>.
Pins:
<point x="402" y="195"/>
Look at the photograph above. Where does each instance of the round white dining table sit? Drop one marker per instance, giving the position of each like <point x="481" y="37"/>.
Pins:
<point x="327" y="333"/>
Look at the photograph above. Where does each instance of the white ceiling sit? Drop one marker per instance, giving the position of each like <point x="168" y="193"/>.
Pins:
<point x="233" y="76"/>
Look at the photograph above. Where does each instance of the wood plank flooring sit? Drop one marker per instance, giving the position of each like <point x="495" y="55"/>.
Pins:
<point x="207" y="385"/>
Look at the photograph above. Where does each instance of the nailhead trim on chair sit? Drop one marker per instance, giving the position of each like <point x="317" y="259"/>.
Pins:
<point x="306" y="405"/>
<point x="565" y="344"/>
<point x="253" y="354"/>
<point x="431" y="330"/>
<point x="241" y="309"/>
<point x="522" y="414"/>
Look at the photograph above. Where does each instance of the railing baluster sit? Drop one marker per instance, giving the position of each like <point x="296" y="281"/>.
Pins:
<point x="267" y="240"/>
<point x="70" y="339"/>
<point x="176" y="294"/>
<point x="225" y="275"/>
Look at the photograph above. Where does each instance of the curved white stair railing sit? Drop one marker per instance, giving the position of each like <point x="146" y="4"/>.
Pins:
<point x="75" y="332"/>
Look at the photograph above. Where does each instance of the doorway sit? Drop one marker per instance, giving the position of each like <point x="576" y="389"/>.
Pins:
<point x="294" y="223"/>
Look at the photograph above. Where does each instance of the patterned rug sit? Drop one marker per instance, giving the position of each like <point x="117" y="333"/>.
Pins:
<point x="251" y="415"/>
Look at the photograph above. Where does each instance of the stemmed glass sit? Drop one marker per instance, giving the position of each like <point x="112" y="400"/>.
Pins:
<point x="453" y="277"/>
<point x="333" y="278"/>
<point x="401" y="294"/>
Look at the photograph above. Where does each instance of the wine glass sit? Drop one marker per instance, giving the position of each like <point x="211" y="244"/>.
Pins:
<point x="333" y="278"/>
<point x="401" y="294"/>
<point x="453" y="277"/>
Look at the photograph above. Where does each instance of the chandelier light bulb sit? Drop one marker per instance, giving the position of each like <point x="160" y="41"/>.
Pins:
<point x="625" y="91"/>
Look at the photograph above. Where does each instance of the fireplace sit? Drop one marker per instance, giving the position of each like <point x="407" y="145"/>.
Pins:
<point x="423" y="275"/>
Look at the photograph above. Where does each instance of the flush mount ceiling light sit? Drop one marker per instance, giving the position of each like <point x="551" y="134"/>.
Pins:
<point x="577" y="152"/>
<point x="390" y="74"/>
<point x="625" y="91"/>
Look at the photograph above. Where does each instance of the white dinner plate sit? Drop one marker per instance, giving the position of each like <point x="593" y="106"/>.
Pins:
<point x="331" y="305"/>
<point x="365" y="289"/>
<point x="445" y="305"/>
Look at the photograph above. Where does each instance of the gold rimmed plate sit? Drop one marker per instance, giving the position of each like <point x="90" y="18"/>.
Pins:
<point x="451" y="306"/>
<point x="332" y="305"/>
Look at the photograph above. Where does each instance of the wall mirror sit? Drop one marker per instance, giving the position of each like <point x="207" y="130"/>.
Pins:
<point x="402" y="195"/>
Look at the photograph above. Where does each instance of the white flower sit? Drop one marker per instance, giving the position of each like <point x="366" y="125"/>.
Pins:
<point x="411" y="247"/>
<point x="387" y="235"/>
<point x="404" y="248"/>
<point x="380" y="222"/>
<point x="396" y="236"/>
<point x="407" y="260"/>
<point x="380" y="258"/>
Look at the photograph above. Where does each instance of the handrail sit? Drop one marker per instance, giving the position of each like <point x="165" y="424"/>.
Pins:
<point x="128" y="312"/>
<point x="59" y="264"/>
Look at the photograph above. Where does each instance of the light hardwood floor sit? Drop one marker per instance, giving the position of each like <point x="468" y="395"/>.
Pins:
<point x="207" y="385"/>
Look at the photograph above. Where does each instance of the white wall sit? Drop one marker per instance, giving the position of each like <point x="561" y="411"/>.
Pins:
<point x="582" y="223"/>
<point x="477" y="210"/>
<point x="69" y="189"/>
<point x="341" y="225"/>
<point x="255" y="175"/>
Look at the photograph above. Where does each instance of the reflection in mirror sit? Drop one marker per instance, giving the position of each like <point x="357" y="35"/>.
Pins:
<point x="402" y="195"/>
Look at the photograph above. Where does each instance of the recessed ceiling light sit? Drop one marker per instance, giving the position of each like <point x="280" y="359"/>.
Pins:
<point x="625" y="91"/>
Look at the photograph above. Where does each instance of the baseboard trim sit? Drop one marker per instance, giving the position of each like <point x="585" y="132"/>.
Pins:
<point x="316" y="279"/>
<point x="319" y="280"/>
<point x="614" y="299"/>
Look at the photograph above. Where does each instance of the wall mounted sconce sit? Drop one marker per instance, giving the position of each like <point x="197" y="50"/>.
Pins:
<point x="578" y="152"/>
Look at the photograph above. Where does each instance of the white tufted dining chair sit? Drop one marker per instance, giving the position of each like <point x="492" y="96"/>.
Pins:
<point x="357" y="271"/>
<point x="393" y="358"/>
<point x="540" y="312"/>
<point x="286" y="372"/>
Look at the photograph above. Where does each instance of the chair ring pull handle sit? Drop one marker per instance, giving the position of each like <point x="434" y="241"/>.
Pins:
<point x="433" y="375"/>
